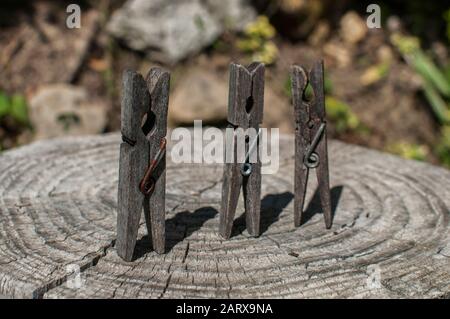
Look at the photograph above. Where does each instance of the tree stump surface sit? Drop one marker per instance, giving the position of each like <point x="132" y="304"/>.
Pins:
<point x="390" y="236"/>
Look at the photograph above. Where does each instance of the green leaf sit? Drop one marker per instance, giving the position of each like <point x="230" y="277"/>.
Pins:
<point x="341" y="115"/>
<point x="68" y="120"/>
<point x="309" y="93"/>
<point x="287" y="87"/>
<point x="426" y="67"/>
<point x="328" y="85"/>
<point x="443" y="147"/>
<point x="413" y="151"/>
<point x="447" y="72"/>
<point x="438" y="105"/>
<point x="4" y="105"/>
<point x="19" y="109"/>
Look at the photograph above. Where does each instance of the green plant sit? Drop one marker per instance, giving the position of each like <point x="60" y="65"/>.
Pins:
<point x="68" y="119"/>
<point x="220" y="45"/>
<point x="328" y="87"/>
<point x="341" y="115"/>
<point x="435" y="83"/>
<point x="443" y="147"/>
<point x="409" y="150"/>
<point x="338" y="112"/>
<point x="13" y="117"/>
<point x="257" y="41"/>
<point x="15" y="107"/>
<point x="375" y="73"/>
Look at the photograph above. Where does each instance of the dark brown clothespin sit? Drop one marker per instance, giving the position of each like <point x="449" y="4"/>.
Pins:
<point x="310" y="138"/>
<point x="245" y="110"/>
<point x="142" y="174"/>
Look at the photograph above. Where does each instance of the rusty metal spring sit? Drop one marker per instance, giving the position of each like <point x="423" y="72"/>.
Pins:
<point x="147" y="184"/>
<point x="312" y="159"/>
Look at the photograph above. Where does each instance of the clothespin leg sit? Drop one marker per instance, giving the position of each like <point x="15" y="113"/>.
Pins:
<point x="232" y="181"/>
<point x="299" y="81"/>
<point x="130" y="201"/>
<point x="318" y="116"/>
<point x="158" y="85"/>
<point x="134" y="159"/>
<point x="300" y="181"/>
<point x="323" y="180"/>
<point x="156" y="211"/>
<point x="252" y="199"/>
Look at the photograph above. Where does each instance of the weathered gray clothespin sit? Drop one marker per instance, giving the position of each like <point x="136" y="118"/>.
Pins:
<point x="245" y="110"/>
<point x="310" y="138"/>
<point x="142" y="175"/>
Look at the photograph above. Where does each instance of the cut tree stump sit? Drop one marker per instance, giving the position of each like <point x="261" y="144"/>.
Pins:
<point x="58" y="202"/>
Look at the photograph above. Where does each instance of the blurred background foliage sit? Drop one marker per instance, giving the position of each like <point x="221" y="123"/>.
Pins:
<point x="257" y="41"/>
<point x="386" y="88"/>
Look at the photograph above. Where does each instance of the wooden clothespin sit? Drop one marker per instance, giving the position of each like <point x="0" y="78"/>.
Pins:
<point x="142" y="175"/>
<point x="245" y="110"/>
<point x="310" y="138"/>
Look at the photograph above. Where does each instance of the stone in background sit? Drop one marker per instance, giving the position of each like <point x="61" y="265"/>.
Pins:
<point x="201" y="95"/>
<point x="171" y="30"/>
<point x="63" y="109"/>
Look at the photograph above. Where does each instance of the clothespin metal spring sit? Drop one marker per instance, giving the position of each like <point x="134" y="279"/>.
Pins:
<point x="147" y="184"/>
<point x="312" y="159"/>
<point x="246" y="167"/>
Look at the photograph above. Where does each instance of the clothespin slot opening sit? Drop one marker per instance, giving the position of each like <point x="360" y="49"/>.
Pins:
<point x="249" y="104"/>
<point x="308" y="94"/>
<point x="148" y="125"/>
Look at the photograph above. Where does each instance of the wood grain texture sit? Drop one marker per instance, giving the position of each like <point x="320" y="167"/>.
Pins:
<point x="299" y="81"/>
<point x="231" y="186"/>
<point x="317" y="112"/>
<point x="309" y="116"/>
<point x="245" y="110"/>
<point x="58" y="207"/>
<point x="158" y="81"/>
<point x="133" y="162"/>
<point x="142" y="100"/>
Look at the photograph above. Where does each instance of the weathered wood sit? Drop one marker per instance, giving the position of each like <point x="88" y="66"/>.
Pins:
<point x="317" y="112"/>
<point x="299" y="81"/>
<point x="134" y="159"/>
<point x="140" y="101"/>
<point x="309" y="115"/>
<point x="252" y="184"/>
<point x="158" y="82"/>
<point x="58" y="207"/>
<point x="231" y="185"/>
<point x="245" y="110"/>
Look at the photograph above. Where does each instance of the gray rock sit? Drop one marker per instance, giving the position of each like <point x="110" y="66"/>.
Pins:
<point x="172" y="30"/>
<point x="62" y="109"/>
<point x="233" y="15"/>
<point x="201" y="95"/>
